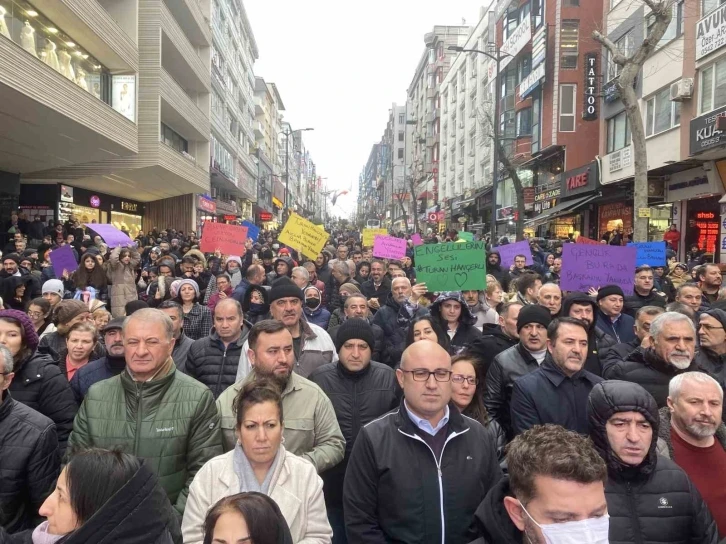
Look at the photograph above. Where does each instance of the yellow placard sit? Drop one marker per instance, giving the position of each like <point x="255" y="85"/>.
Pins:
<point x="301" y="234"/>
<point x="369" y="235"/>
<point x="643" y="212"/>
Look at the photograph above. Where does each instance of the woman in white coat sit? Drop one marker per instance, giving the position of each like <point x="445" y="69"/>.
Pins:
<point x="260" y="463"/>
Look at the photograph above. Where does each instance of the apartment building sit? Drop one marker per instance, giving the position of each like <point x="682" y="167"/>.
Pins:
<point x="267" y="126"/>
<point x="396" y="190"/>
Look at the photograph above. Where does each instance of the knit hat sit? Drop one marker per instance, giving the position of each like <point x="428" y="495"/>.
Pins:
<point x="182" y="283"/>
<point x="268" y="254"/>
<point x="234" y="258"/>
<point x="115" y="324"/>
<point x="609" y="290"/>
<point x="29" y="334"/>
<point x="533" y="313"/>
<point x="134" y="306"/>
<point x="684" y="266"/>
<point x="13" y="257"/>
<point x="53" y="286"/>
<point x="284" y="287"/>
<point x="354" y="328"/>
<point x="717" y="314"/>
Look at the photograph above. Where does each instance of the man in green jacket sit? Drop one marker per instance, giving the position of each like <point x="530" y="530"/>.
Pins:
<point x="151" y="410"/>
<point x="311" y="428"/>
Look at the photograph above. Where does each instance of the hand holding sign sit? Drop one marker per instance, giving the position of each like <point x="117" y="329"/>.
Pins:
<point x="587" y="266"/>
<point x="301" y="234"/>
<point x="227" y="239"/>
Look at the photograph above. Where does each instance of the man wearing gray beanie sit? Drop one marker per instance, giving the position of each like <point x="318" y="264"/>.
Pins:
<point x="361" y="390"/>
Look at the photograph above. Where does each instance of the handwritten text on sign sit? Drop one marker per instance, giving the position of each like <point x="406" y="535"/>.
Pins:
<point x="389" y="247"/>
<point x="457" y="266"/>
<point x="369" y="235"/>
<point x="650" y="253"/>
<point x="509" y="251"/>
<point x="229" y="239"/>
<point x="585" y="266"/>
<point x="301" y="234"/>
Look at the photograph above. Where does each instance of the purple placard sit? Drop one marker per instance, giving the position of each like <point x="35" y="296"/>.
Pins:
<point x="110" y="234"/>
<point x="416" y="239"/>
<point x="509" y="251"/>
<point x="389" y="247"/>
<point x="62" y="259"/>
<point x="585" y="266"/>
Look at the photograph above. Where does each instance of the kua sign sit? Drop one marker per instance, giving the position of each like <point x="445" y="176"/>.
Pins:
<point x="589" y="109"/>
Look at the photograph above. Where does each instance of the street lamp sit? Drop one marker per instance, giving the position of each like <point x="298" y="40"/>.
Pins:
<point x="496" y="58"/>
<point x="287" y="134"/>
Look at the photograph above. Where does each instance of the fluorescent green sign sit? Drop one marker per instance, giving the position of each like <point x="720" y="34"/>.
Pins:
<point x="457" y="266"/>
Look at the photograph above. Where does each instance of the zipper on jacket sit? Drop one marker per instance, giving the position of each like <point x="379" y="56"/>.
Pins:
<point x="139" y="404"/>
<point x="221" y="370"/>
<point x="438" y="468"/>
<point x="634" y="515"/>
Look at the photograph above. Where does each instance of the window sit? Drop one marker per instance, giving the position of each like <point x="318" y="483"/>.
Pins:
<point x="524" y="122"/>
<point x="713" y="86"/>
<point x="675" y="28"/>
<point x="618" y="132"/>
<point x="707" y="6"/>
<point x="524" y="66"/>
<point x="400" y="152"/>
<point x="173" y="140"/>
<point x="625" y="46"/>
<point x="567" y="108"/>
<point x="570" y="3"/>
<point x="511" y="22"/>
<point x="400" y="135"/>
<point x="401" y="118"/>
<point x="569" y="34"/>
<point x="472" y="142"/>
<point x="660" y="113"/>
<point x="537" y="8"/>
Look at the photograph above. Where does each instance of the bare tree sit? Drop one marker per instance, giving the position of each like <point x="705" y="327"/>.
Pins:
<point x="406" y="186"/>
<point x="630" y="66"/>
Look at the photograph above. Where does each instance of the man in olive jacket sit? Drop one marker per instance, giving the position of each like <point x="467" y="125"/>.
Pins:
<point x="151" y="410"/>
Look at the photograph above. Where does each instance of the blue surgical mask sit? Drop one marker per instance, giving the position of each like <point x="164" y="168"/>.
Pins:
<point x="585" y="531"/>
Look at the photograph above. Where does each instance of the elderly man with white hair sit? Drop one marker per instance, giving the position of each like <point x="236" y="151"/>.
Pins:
<point x="693" y="435"/>
<point x="672" y="352"/>
<point x="400" y="308"/>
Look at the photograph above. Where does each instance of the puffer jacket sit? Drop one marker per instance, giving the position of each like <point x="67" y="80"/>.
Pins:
<point x="654" y="501"/>
<point x="466" y="331"/>
<point x="96" y="371"/>
<point x="491" y="343"/>
<point x="123" y="280"/>
<point x="358" y="398"/>
<point x="636" y="301"/>
<point x="213" y="364"/>
<point x="30" y="463"/>
<point x="172" y="422"/>
<point x="39" y="384"/>
<point x="394" y="319"/>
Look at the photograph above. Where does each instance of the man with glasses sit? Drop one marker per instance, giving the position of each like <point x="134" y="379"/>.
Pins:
<point x="405" y="465"/>
<point x="712" y="337"/>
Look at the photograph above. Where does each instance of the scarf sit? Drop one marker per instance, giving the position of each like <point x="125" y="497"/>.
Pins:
<point x="235" y="277"/>
<point x="42" y="536"/>
<point x="245" y="473"/>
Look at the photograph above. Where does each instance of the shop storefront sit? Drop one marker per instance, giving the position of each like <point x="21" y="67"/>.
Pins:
<point x="206" y="211"/>
<point x="614" y="216"/>
<point x="227" y="211"/>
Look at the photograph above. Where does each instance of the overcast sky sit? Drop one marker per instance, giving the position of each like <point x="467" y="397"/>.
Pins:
<point x="340" y="65"/>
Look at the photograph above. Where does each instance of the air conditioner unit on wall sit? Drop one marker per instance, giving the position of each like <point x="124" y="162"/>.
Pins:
<point x="682" y="89"/>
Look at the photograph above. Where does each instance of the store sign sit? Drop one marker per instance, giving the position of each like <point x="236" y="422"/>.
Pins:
<point x="589" y="110"/>
<point x="546" y="196"/>
<point x="207" y="205"/>
<point x="711" y="32"/>
<point x="95" y="201"/>
<point x="265" y="216"/>
<point x="622" y="158"/>
<point x="691" y="184"/>
<point x="66" y="193"/>
<point x="508" y="212"/>
<point x="530" y="82"/>
<point x="580" y="180"/>
<point x="129" y="206"/>
<point x="516" y="42"/>
<point x="539" y="46"/>
<point x="705" y="134"/>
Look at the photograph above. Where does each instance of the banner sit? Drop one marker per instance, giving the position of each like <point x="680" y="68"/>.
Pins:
<point x="369" y="235"/>
<point x="650" y="253"/>
<point x="253" y="231"/>
<point x="466" y="236"/>
<point x="509" y="251"/>
<point x="585" y="266"/>
<point x="456" y="266"/>
<point x="389" y="247"/>
<point x="301" y="234"/>
<point x="62" y="259"/>
<point x="416" y="239"/>
<point x="583" y="240"/>
<point x="110" y="234"/>
<point x="229" y="239"/>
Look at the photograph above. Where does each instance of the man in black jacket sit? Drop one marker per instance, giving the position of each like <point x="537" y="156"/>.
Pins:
<point x="644" y="293"/>
<point x="182" y="343"/>
<point x="619" y="352"/>
<point x="361" y="390"/>
<point x="356" y="306"/>
<point x="377" y="287"/>
<point x="30" y="456"/>
<point x="712" y="336"/>
<point x="624" y="423"/>
<point x="494" y="268"/>
<point x="418" y="473"/>
<point x="496" y="338"/>
<point x="580" y="306"/>
<point x="515" y="362"/>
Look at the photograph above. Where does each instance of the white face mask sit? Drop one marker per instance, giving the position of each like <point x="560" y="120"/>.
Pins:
<point x="586" y="531"/>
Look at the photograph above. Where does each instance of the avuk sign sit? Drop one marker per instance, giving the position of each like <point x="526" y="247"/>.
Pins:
<point x="711" y="32"/>
<point x="589" y="109"/>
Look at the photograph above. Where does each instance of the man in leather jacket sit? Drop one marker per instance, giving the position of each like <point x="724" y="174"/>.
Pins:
<point x="580" y="306"/>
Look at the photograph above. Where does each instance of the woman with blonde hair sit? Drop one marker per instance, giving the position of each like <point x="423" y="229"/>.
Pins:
<point x="493" y="297"/>
<point x="122" y="267"/>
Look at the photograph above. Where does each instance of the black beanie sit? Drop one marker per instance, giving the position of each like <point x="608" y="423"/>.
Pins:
<point x="268" y="254"/>
<point x="533" y="313"/>
<point x="609" y="290"/>
<point x="283" y="288"/>
<point x="134" y="306"/>
<point x="354" y="328"/>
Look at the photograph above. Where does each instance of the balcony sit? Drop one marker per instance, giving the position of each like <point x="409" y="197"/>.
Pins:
<point x="183" y="167"/>
<point x="192" y="20"/>
<point x="179" y="57"/>
<point x="431" y="92"/>
<point x="258" y="130"/>
<point x="177" y="104"/>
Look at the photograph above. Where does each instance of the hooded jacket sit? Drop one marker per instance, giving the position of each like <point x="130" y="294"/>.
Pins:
<point x="320" y="316"/>
<point x="496" y="270"/>
<point x="597" y="339"/>
<point x="258" y="312"/>
<point x="491" y="343"/>
<point x="492" y="523"/>
<point x="466" y="330"/>
<point x="214" y="364"/>
<point x="654" y="501"/>
<point x="394" y="319"/>
<point x="272" y="276"/>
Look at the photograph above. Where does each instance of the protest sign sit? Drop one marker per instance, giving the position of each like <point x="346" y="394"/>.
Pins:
<point x="369" y="235"/>
<point x="585" y="266"/>
<point x="416" y="239"/>
<point x="456" y="266"/>
<point x="110" y="234"/>
<point x="301" y="234"/>
<point x="466" y="236"/>
<point x="389" y="247"/>
<point x="583" y="240"/>
<point x="62" y="259"/>
<point x="253" y="231"/>
<point x="229" y="239"/>
<point x="650" y="253"/>
<point x="509" y="251"/>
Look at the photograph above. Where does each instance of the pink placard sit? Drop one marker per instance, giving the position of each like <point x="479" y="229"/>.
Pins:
<point x="416" y="239"/>
<point x="389" y="247"/>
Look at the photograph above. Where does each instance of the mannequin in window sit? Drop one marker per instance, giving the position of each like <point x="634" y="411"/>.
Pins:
<point x="82" y="83"/>
<point x="51" y="57"/>
<point x="3" y="25"/>
<point x="66" y="68"/>
<point x="27" y="39"/>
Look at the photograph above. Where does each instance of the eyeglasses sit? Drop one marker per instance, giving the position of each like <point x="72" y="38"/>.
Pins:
<point x="423" y="375"/>
<point x="35" y="314"/>
<point x="710" y="327"/>
<point x="460" y="378"/>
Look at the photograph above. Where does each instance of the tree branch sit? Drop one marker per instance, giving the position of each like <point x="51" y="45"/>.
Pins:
<point x="616" y="56"/>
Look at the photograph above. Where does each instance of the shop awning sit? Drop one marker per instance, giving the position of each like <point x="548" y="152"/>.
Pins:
<point x="562" y="208"/>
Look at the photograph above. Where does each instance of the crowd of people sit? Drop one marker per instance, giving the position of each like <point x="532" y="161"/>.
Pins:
<point x="159" y="394"/>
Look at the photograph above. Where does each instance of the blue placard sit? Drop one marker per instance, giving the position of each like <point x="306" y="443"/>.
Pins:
<point x="650" y="253"/>
<point x="253" y="231"/>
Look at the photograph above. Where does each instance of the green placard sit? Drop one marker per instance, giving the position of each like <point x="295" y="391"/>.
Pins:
<point x="466" y="236"/>
<point x="456" y="266"/>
